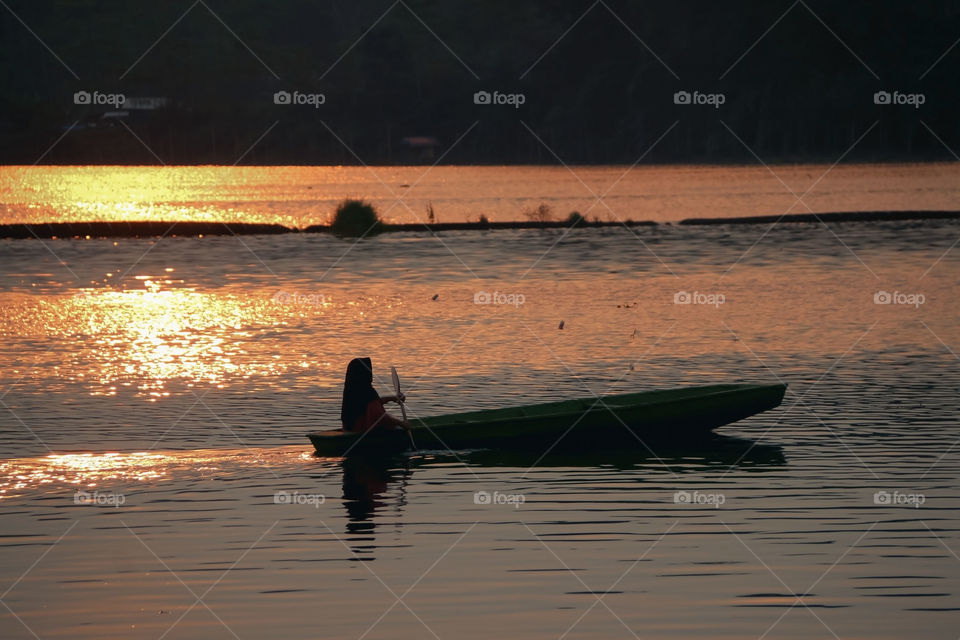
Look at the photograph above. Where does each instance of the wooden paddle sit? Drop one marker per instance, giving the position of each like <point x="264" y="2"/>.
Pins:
<point x="403" y="410"/>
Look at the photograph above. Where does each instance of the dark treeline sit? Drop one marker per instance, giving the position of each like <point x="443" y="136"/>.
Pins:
<point x="601" y="93"/>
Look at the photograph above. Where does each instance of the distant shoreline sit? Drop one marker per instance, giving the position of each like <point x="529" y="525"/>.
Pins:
<point x="148" y="229"/>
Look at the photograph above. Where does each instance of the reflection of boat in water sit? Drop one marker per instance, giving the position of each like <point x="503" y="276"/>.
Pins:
<point x="374" y="471"/>
<point x="366" y="481"/>
<point x="711" y="450"/>
<point x="367" y="478"/>
<point x="708" y="450"/>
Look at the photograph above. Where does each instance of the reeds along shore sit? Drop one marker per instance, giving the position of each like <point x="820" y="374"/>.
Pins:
<point x="144" y="229"/>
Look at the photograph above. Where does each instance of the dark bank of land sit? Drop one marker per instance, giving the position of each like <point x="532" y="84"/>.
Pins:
<point x="843" y="216"/>
<point x="145" y="229"/>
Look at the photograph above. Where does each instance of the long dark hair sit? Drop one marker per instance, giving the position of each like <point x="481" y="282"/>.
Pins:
<point x="358" y="391"/>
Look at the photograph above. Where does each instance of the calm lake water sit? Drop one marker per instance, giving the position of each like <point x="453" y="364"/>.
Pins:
<point x="170" y="383"/>
<point x="301" y="196"/>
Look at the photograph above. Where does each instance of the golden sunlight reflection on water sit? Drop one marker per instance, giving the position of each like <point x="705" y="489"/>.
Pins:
<point x="301" y="196"/>
<point x="78" y="471"/>
<point x="249" y="337"/>
<point x="155" y="335"/>
<point x="86" y="470"/>
<point x="144" y="338"/>
<point x="138" y="341"/>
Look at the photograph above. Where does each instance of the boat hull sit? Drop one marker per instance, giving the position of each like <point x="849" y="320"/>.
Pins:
<point x="631" y="419"/>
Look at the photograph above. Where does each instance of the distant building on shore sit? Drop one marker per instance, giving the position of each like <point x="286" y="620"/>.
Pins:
<point x="420" y="148"/>
<point x="139" y="105"/>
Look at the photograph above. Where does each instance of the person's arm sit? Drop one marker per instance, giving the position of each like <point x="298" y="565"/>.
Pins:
<point x="391" y="422"/>
<point x="378" y="418"/>
<point x="399" y="398"/>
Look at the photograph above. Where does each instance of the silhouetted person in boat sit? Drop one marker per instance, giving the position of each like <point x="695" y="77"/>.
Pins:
<point x="362" y="408"/>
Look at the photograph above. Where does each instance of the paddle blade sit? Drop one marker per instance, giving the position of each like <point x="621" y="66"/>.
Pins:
<point x="396" y="380"/>
<point x="396" y="390"/>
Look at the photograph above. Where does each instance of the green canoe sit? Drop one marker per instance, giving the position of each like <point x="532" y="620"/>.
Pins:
<point x="613" y="421"/>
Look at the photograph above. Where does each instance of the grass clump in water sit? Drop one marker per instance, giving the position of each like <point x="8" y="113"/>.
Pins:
<point x="355" y="218"/>
<point x="542" y="213"/>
